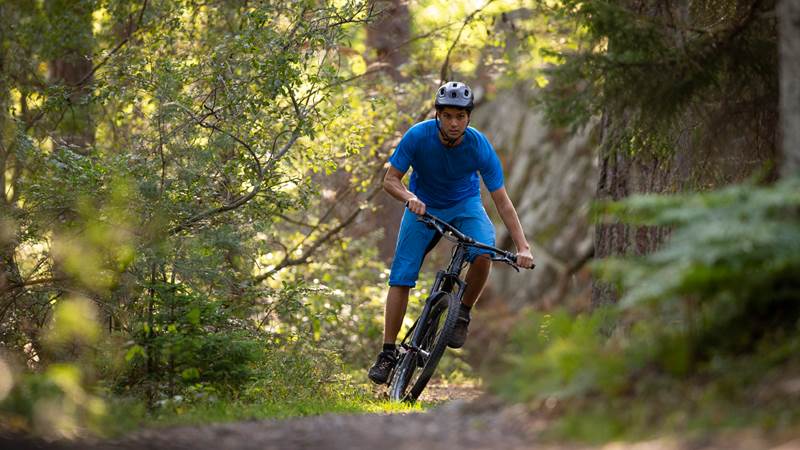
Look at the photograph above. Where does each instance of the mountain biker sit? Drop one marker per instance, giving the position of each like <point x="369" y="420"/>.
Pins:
<point x="447" y="155"/>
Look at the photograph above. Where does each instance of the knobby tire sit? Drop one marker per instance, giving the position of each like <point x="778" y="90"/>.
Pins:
<point x="436" y="334"/>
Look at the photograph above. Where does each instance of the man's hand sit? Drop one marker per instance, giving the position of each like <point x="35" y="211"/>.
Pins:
<point x="525" y="259"/>
<point x="416" y="206"/>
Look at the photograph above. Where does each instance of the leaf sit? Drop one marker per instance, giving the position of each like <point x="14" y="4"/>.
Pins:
<point x="190" y="374"/>
<point x="193" y="316"/>
<point x="133" y="352"/>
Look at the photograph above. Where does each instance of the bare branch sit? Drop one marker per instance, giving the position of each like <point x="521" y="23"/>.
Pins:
<point x="294" y="221"/>
<point x="467" y="20"/>
<point x="201" y="122"/>
<point x="122" y="43"/>
<point x="306" y="255"/>
<point x="244" y="198"/>
<point x="13" y="286"/>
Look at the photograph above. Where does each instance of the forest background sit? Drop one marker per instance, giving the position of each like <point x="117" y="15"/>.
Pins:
<point x="193" y="224"/>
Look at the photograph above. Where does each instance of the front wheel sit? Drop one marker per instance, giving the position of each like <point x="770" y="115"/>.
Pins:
<point x="416" y="365"/>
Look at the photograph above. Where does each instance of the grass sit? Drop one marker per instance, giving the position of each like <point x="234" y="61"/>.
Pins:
<point x="226" y="411"/>
<point x="126" y="417"/>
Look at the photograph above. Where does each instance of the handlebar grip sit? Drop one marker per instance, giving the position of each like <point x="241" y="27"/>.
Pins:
<point x="513" y="257"/>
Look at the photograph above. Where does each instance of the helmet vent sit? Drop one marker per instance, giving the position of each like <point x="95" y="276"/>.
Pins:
<point x="441" y="91"/>
<point x="453" y="95"/>
<point x="455" y="84"/>
<point x="466" y="92"/>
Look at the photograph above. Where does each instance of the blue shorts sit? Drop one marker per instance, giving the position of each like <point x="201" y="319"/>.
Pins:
<point x="415" y="237"/>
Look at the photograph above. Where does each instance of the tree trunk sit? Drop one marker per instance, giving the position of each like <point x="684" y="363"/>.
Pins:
<point x="386" y="38"/>
<point x="789" y="44"/>
<point x="388" y="35"/>
<point x="70" y="63"/>
<point x="623" y="174"/>
<point x="9" y="271"/>
<point x="70" y="67"/>
<point x="715" y="142"/>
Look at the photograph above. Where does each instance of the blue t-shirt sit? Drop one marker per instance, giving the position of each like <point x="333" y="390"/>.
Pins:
<point x="444" y="176"/>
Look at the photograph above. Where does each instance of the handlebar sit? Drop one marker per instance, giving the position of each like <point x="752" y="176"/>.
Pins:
<point x="443" y="228"/>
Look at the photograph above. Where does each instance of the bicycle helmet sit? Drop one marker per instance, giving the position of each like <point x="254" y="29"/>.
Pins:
<point x="455" y="94"/>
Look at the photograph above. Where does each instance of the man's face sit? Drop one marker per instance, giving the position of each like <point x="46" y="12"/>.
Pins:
<point x="453" y="121"/>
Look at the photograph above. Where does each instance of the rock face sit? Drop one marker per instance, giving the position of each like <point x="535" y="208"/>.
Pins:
<point x="551" y="176"/>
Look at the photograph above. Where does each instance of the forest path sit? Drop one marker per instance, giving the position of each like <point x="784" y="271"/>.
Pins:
<point x="465" y="419"/>
<point x="462" y="417"/>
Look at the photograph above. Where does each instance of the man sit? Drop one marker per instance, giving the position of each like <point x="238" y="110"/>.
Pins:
<point x="447" y="157"/>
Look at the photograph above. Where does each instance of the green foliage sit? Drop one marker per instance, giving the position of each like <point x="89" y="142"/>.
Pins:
<point x="197" y="172"/>
<point x="571" y="360"/>
<point x="208" y="124"/>
<point x="735" y="242"/>
<point x="650" y="65"/>
<point x="55" y="403"/>
<point x="59" y="401"/>
<point x="707" y="326"/>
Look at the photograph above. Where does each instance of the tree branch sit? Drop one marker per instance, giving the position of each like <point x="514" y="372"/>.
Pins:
<point x="304" y="257"/>
<point x="13" y="286"/>
<point x="122" y="43"/>
<point x="244" y="198"/>
<point x="446" y="64"/>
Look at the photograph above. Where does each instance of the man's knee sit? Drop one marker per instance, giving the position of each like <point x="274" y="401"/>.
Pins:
<point x="482" y="260"/>
<point x="398" y="293"/>
<point x="399" y="290"/>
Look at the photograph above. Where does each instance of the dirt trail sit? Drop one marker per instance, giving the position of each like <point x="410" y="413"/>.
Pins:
<point x="443" y="428"/>
<point x="464" y="419"/>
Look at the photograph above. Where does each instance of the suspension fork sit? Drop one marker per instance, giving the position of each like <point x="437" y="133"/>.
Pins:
<point x="447" y="281"/>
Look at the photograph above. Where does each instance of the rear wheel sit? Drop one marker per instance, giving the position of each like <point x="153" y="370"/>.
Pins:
<point x="415" y="368"/>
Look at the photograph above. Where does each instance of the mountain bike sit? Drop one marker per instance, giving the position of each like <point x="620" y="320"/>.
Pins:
<point x="425" y="342"/>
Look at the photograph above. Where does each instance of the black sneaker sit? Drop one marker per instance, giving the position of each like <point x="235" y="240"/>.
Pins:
<point x="379" y="372"/>
<point x="459" y="335"/>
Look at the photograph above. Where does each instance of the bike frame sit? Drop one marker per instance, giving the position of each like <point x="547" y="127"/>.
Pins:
<point x="446" y="280"/>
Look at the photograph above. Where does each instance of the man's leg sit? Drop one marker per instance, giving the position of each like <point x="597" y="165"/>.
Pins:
<point x="476" y="278"/>
<point x="477" y="275"/>
<point x="412" y="240"/>
<point x="396" y="303"/>
<point x="473" y="221"/>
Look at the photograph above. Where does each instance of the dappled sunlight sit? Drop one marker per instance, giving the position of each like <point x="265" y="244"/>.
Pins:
<point x="194" y="225"/>
<point x="6" y="379"/>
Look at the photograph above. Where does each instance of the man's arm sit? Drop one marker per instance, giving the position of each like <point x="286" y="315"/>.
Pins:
<point x="393" y="184"/>
<point x="509" y="215"/>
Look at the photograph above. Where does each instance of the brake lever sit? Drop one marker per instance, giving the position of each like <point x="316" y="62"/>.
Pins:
<point x="508" y="260"/>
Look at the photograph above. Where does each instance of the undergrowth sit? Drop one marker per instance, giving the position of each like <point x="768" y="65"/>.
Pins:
<point x="706" y="334"/>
